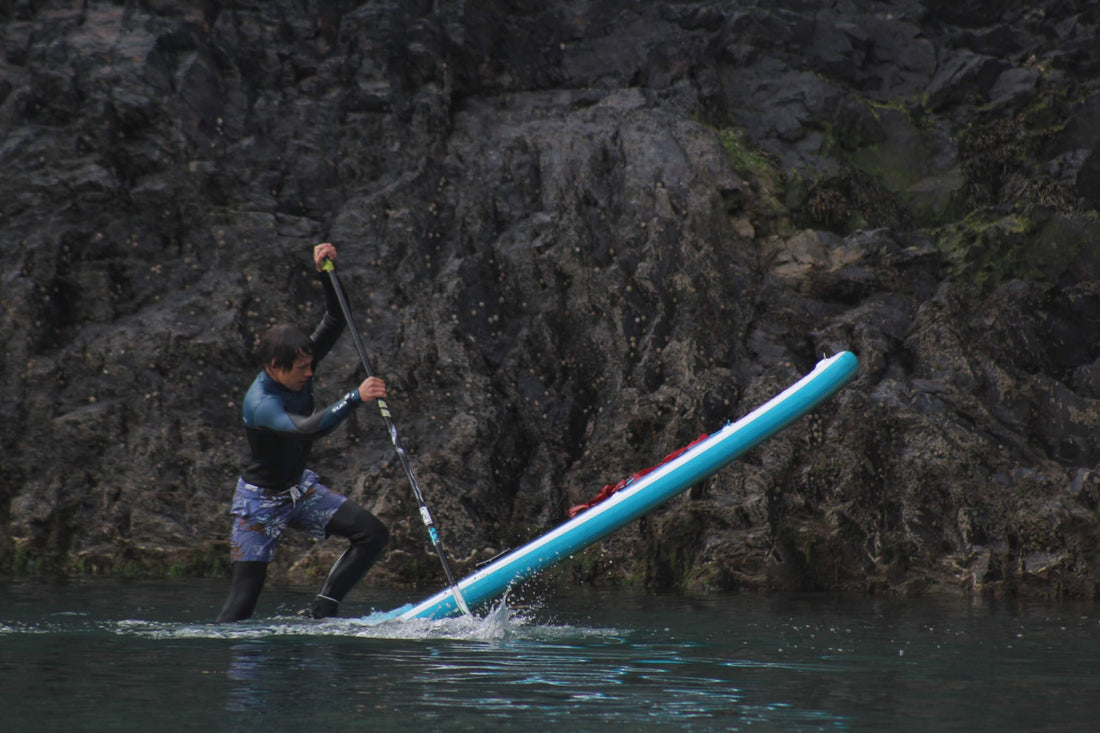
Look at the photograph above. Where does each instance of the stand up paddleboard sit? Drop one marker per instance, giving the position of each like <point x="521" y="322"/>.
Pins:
<point x="644" y="494"/>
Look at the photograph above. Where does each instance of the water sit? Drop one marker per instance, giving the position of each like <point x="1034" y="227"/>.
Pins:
<point x="109" y="655"/>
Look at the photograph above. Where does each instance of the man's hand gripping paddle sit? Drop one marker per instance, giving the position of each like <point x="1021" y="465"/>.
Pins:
<point x="330" y="269"/>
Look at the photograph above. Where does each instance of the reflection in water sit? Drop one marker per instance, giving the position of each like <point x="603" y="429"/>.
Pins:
<point x="145" y="657"/>
<point x="499" y="670"/>
<point x="249" y="667"/>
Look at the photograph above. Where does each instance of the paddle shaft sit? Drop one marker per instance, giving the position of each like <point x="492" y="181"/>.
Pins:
<point x="384" y="409"/>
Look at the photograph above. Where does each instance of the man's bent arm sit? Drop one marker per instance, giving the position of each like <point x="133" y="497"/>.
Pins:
<point x="331" y="326"/>
<point x="272" y="416"/>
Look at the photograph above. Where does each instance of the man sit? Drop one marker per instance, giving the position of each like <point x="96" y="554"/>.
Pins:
<point x="277" y="490"/>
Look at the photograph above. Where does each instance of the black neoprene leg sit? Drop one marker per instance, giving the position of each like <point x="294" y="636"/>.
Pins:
<point x="367" y="536"/>
<point x="244" y="591"/>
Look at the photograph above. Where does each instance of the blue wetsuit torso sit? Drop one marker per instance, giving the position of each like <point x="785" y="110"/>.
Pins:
<point x="281" y="424"/>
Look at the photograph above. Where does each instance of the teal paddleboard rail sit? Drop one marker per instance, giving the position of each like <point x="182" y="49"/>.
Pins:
<point x="646" y="493"/>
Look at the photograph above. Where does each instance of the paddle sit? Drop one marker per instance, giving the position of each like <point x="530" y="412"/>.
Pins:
<point x="330" y="269"/>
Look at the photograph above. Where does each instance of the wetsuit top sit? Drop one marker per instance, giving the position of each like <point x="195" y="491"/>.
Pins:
<point x="281" y="424"/>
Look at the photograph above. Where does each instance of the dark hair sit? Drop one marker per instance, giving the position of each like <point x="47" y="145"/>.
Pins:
<point x="283" y="344"/>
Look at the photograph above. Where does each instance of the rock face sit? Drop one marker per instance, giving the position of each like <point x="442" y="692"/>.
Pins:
<point x="576" y="235"/>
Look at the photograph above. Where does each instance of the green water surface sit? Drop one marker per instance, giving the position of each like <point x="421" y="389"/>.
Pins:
<point x="110" y="655"/>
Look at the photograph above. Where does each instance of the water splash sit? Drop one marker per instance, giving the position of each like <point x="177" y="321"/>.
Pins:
<point x="500" y="623"/>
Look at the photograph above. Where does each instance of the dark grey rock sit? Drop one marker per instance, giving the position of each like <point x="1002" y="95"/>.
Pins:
<point x="576" y="236"/>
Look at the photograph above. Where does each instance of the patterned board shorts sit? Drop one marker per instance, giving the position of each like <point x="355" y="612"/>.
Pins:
<point x="261" y="516"/>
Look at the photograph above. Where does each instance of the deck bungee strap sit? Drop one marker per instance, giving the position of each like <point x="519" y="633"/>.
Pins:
<point x="610" y="489"/>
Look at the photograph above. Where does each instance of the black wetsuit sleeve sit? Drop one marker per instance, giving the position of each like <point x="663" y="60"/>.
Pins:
<point x="270" y="414"/>
<point x="331" y="326"/>
<point x="323" y="422"/>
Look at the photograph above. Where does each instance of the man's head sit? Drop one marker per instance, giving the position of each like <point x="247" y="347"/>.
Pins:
<point x="287" y="355"/>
